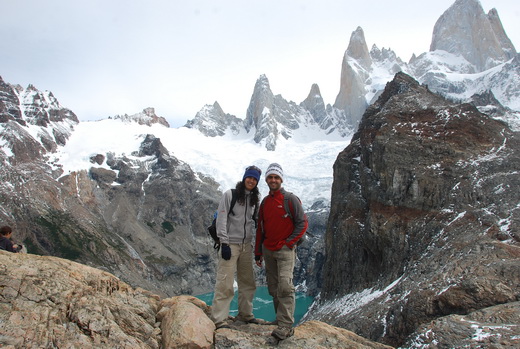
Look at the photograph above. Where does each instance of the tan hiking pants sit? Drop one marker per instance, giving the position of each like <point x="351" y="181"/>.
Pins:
<point x="279" y="268"/>
<point x="241" y="263"/>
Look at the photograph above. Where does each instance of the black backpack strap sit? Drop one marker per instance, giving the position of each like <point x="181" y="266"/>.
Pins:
<point x="254" y="215"/>
<point x="258" y="247"/>
<point x="233" y="201"/>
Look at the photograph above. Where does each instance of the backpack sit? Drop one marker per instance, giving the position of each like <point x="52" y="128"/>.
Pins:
<point x="212" y="229"/>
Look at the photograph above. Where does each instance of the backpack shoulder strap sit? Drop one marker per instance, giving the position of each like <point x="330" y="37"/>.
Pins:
<point x="233" y="201"/>
<point x="255" y="211"/>
<point x="286" y="204"/>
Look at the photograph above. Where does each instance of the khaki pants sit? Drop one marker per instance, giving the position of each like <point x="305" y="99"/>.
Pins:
<point x="241" y="263"/>
<point x="279" y="268"/>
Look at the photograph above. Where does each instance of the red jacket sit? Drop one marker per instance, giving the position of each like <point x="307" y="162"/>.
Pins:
<point x="275" y="227"/>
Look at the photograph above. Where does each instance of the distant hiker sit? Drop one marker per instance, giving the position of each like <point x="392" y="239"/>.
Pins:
<point x="278" y="233"/>
<point x="5" y="240"/>
<point x="235" y="230"/>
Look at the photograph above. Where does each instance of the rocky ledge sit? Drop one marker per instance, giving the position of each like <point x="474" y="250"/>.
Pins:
<point x="52" y="302"/>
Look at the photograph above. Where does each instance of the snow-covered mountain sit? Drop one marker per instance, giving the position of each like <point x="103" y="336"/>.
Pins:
<point x="133" y="196"/>
<point x="470" y="54"/>
<point x="306" y="159"/>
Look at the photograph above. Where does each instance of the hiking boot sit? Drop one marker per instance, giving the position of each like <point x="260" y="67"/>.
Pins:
<point x="251" y="321"/>
<point x="257" y="321"/>
<point x="223" y="324"/>
<point x="282" y="332"/>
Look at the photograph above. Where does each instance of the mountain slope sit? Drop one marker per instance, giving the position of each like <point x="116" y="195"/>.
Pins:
<point x="424" y="216"/>
<point x="139" y="213"/>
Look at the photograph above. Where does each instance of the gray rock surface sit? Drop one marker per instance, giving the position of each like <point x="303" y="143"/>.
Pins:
<point x="465" y="29"/>
<point x="424" y="217"/>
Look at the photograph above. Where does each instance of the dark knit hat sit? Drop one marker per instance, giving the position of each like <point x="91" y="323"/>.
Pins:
<point x="252" y="171"/>
<point x="275" y="169"/>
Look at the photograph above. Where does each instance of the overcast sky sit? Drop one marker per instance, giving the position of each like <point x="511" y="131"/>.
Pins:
<point x="108" y="57"/>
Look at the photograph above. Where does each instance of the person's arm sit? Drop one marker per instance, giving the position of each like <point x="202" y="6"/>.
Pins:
<point x="222" y="217"/>
<point x="9" y="246"/>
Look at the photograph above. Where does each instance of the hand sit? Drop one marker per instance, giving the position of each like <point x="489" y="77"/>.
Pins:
<point x="226" y="252"/>
<point x="258" y="260"/>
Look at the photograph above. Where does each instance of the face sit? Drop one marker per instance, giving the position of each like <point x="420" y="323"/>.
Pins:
<point x="274" y="182"/>
<point x="250" y="183"/>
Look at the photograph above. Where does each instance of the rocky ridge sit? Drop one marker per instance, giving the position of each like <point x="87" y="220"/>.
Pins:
<point x="146" y="117"/>
<point x="270" y="117"/>
<point x="424" y="223"/>
<point x="51" y="302"/>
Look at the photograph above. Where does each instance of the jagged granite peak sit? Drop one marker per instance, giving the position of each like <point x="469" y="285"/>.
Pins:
<point x="42" y="108"/>
<point x="498" y="29"/>
<point x="32" y="106"/>
<point x="212" y="121"/>
<point x="355" y="69"/>
<point x="316" y="106"/>
<point x="262" y="98"/>
<point x="146" y="117"/>
<point x="272" y="116"/>
<point x="424" y="217"/>
<point x="464" y="29"/>
<point x="386" y="55"/>
<point x="9" y="103"/>
<point x="358" y="49"/>
<point x="20" y="107"/>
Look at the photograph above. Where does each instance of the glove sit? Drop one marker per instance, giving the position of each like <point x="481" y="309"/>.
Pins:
<point x="226" y="252"/>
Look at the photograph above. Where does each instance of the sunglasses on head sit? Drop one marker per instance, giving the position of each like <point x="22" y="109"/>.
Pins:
<point x="254" y="168"/>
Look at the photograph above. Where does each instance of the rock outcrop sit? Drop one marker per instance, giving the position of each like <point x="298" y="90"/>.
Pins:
<point x="51" y="302"/>
<point x="424" y="217"/>
<point x="212" y="121"/>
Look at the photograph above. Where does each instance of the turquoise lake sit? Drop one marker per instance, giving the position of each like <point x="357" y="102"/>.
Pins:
<point x="263" y="304"/>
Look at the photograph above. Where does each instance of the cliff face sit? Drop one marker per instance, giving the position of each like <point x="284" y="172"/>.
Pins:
<point x="424" y="216"/>
<point x="465" y="29"/>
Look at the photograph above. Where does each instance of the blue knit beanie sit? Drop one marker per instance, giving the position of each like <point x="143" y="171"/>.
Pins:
<point x="252" y="171"/>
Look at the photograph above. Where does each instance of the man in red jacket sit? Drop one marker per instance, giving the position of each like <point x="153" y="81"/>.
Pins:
<point x="281" y="224"/>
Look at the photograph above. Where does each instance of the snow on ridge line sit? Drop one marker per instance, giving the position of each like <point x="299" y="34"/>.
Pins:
<point x="307" y="164"/>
